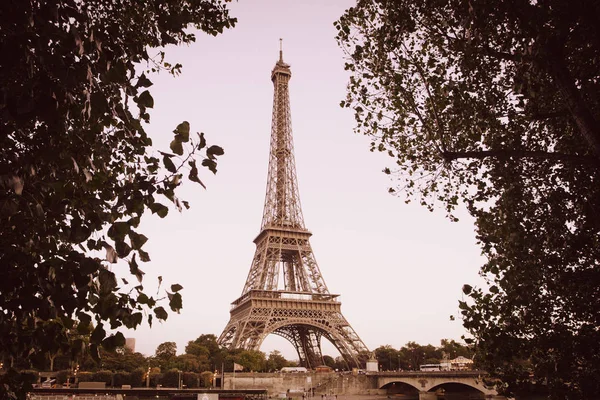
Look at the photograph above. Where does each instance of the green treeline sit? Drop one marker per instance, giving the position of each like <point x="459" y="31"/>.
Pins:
<point x="202" y="357"/>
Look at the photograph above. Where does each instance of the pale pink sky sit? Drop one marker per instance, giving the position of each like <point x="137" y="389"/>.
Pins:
<point x="399" y="268"/>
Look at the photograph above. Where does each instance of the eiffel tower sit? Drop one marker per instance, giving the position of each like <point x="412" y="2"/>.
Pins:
<point x="285" y="293"/>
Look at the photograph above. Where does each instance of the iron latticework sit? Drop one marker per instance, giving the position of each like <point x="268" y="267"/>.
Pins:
<point x="285" y="293"/>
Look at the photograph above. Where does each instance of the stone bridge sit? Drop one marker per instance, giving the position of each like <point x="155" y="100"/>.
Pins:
<point x="431" y="384"/>
<point x="409" y="385"/>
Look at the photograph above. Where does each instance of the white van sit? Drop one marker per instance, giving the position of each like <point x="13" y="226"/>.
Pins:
<point x="293" y="369"/>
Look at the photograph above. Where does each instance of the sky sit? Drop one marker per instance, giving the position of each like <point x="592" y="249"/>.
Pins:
<point x="398" y="268"/>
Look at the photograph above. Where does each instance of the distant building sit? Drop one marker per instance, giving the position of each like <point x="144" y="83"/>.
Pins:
<point x="459" y="363"/>
<point x="130" y="344"/>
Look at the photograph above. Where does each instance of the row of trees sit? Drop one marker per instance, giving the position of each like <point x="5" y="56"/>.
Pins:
<point x="203" y="355"/>
<point x="412" y="355"/>
<point x="200" y="355"/>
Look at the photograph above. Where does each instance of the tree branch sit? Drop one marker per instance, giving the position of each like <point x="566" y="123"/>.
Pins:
<point x="540" y="116"/>
<point x="450" y="156"/>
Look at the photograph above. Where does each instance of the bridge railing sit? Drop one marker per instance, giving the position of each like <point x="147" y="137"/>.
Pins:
<point x="470" y="372"/>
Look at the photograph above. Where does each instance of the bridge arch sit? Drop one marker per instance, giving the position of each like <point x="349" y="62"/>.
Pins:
<point x="433" y="381"/>
<point x="453" y="390"/>
<point x="400" y="388"/>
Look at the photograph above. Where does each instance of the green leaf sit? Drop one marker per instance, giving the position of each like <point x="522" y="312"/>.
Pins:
<point x="193" y="175"/>
<point x="145" y="100"/>
<point x="159" y="209"/>
<point x="114" y="341"/>
<point x="145" y="257"/>
<point x="213" y="151"/>
<point x="142" y="298"/>
<point x="175" y="302"/>
<point x="137" y="240"/>
<point x="182" y="132"/>
<point x="137" y="318"/>
<point x="133" y="268"/>
<point x="160" y="313"/>
<point x="98" y="334"/>
<point x="123" y="249"/>
<point x="467" y="289"/>
<point x="202" y="143"/>
<point x="143" y="81"/>
<point x="108" y="281"/>
<point x="84" y="322"/>
<point x="176" y="287"/>
<point x="176" y="147"/>
<point x="210" y="164"/>
<point x="169" y="164"/>
<point x="118" y="230"/>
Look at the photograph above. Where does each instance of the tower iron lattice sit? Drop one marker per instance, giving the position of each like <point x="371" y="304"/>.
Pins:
<point x="285" y="293"/>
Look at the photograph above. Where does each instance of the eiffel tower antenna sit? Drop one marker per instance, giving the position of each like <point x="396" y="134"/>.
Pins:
<point x="285" y="293"/>
<point x="280" y="50"/>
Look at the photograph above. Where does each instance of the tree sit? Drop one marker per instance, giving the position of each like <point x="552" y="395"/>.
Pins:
<point x="165" y="353"/>
<point x="204" y="344"/>
<point x="327" y="360"/>
<point x="122" y="359"/>
<point x="276" y="361"/>
<point x="77" y="169"/>
<point x="341" y="364"/>
<point x="415" y="354"/>
<point x="206" y="348"/>
<point x="496" y="105"/>
<point x="192" y="363"/>
<point x="451" y="349"/>
<point x="251" y="360"/>
<point x="206" y="379"/>
<point x="387" y="357"/>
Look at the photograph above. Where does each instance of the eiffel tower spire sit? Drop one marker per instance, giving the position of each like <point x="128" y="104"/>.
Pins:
<point x="285" y="293"/>
<point x="282" y="202"/>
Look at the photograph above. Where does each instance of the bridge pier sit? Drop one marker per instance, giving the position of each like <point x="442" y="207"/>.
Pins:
<point x="427" y="396"/>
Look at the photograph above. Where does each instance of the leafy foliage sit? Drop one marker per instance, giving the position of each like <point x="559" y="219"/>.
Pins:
<point x="412" y="355"/>
<point x="496" y="105"/>
<point x="77" y="169"/>
<point x="276" y="361"/>
<point x="166" y="351"/>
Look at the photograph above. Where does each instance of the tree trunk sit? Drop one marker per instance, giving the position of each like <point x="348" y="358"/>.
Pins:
<point x="585" y="121"/>
<point x="52" y="357"/>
